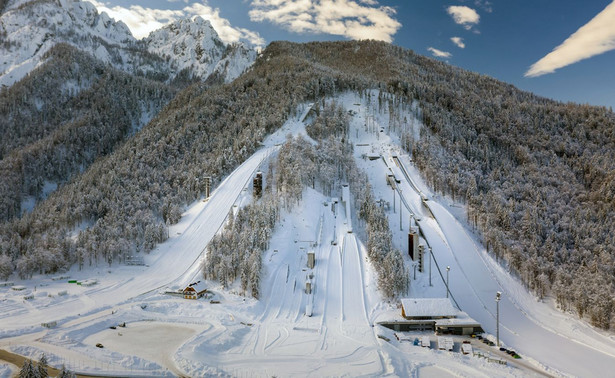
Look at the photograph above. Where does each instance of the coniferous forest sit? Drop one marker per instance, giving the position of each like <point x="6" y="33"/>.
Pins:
<point x="236" y="252"/>
<point x="537" y="176"/>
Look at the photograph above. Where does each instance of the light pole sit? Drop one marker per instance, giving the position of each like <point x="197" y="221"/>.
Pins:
<point x="448" y="269"/>
<point x="498" y="296"/>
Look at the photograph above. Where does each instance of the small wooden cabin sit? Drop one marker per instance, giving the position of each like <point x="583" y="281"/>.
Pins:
<point x="195" y="290"/>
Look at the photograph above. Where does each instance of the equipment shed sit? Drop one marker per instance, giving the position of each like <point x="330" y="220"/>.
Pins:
<point x="433" y="314"/>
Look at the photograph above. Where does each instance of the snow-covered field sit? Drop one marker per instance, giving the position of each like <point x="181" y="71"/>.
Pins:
<point x="229" y="334"/>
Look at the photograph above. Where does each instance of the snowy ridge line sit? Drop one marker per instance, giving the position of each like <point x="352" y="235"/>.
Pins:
<point x="514" y="302"/>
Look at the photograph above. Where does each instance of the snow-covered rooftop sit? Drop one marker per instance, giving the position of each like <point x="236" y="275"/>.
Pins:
<point x="428" y="307"/>
<point x="197" y="286"/>
<point x="463" y="320"/>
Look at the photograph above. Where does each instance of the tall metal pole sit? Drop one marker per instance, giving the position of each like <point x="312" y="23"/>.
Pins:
<point x="498" y="296"/>
<point x="448" y="269"/>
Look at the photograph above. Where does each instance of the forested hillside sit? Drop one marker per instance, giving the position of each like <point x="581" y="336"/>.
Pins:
<point x="62" y="117"/>
<point x="538" y="176"/>
<point x="122" y="202"/>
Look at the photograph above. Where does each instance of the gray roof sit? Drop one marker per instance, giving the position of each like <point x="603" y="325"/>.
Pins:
<point x="428" y="307"/>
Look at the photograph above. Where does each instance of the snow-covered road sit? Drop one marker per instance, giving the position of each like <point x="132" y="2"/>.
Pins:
<point x="173" y="263"/>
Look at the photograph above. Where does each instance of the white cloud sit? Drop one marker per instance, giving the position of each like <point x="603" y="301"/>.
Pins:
<point x="464" y="16"/>
<point x="594" y="38"/>
<point x="459" y="42"/>
<point x="439" y="53"/>
<point x="364" y="19"/>
<point x="143" y="21"/>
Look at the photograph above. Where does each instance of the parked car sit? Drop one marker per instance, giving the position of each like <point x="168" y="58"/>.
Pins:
<point x="99" y="345"/>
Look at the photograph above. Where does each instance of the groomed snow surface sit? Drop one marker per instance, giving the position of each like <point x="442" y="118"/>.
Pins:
<point x="228" y="334"/>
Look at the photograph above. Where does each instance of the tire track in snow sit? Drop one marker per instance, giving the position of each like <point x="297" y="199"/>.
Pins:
<point x="275" y="297"/>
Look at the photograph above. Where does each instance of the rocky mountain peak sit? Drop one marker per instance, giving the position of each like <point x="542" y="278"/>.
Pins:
<point x="30" y="28"/>
<point x="190" y="43"/>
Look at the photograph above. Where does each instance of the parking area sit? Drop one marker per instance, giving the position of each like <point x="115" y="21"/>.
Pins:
<point x="480" y="347"/>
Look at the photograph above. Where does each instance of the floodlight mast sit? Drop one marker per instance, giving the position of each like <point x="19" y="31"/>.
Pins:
<point x="498" y="296"/>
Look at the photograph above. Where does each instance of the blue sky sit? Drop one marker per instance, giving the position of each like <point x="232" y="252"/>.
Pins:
<point x="559" y="49"/>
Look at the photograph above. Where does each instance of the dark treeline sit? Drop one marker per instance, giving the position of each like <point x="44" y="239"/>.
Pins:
<point x="537" y="175"/>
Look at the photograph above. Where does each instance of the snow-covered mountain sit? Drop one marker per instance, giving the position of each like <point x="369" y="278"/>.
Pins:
<point x="28" y="29"/>
<point x="235" y="60"/>
<point x="194" y="44"/>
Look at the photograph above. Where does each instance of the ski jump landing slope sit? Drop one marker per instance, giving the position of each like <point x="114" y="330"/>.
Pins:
<point x="558" y="342"/>
<point x="474" y="281"/>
